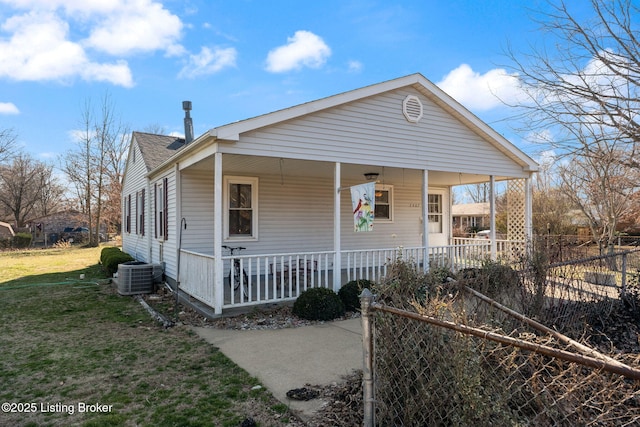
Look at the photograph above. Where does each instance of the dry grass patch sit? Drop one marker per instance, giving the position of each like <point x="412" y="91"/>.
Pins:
<point x="71" y="342"/>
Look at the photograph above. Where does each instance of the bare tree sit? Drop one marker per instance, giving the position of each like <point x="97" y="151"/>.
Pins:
<point x="602" y="188"/>
<point x="51" y="192"/>
<point x="8" y="140"/>
<point x="551" y="207"/>
<point x="155" y="128"/>
<point x="583" y="90"/>
<point x="21" y="187"/>
<point x="479" y="193"/>
<point x="117" y="151"/>
<point x="90" y="167"/>
<point x="590" y="77"/>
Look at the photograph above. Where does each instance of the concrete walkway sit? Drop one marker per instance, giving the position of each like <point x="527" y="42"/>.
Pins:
<point x="284" y="359"/>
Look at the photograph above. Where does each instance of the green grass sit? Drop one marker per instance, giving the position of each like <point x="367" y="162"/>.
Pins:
<point x="66" y="340"/>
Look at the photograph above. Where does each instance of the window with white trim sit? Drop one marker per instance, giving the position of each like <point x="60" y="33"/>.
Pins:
<point x="436" y="214"/>
<point x="241" y="208"/>
<point x="384" y="203"/>
<point x="127" y="213"/>
<point x="161" y="208"/>
<point x="140" y="212"/>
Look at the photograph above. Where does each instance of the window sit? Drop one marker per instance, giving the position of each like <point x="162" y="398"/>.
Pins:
<point x="140" y="213"/>
<point x="384" y="203"/>
<point x="161" y="209"/>
<point x="137" y="211"/>
<point x="241" y="208"/>
<point x="127" y="213"/>
<point x="435" y="213"/>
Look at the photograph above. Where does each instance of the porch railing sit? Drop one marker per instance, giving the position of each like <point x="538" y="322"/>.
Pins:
<point x="271" y="278"/>
<point x="197" y="275"/>
<point x="262" y="279"/>
<point x="371" y="264"/>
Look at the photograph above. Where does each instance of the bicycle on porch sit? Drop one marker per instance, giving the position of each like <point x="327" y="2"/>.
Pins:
<point x="237" y="275"/>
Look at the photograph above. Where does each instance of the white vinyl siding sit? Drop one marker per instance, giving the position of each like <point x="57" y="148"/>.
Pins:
<point x="374" y="131"/>
<point x="197" y="210"/>
<point x="134" y="182"/>
<point x="296" y="215"/>
<point x="163" y="250"/>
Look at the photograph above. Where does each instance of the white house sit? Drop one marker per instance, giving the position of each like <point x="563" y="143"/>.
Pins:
<point x="278" y="185"/>
<point x="468" y="216"/>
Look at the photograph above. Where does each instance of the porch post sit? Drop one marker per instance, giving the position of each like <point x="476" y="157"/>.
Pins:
<point x="528" y="212"/>
<point x="492" y="217"/>
<point x="218" y="277"/>
<point x="425" y="219"/>
<point x="337" y="264"/>
<point x="178" y="224"/>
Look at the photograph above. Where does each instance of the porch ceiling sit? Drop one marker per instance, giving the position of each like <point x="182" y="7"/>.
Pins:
<point x="255" y="165"/>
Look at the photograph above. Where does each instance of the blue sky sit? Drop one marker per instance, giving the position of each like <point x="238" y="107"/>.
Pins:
<point x="238" y="59"/>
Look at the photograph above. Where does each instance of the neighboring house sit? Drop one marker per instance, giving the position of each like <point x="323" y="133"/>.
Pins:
<point x="471" y="216"/>
<point x="279" y="186"/>
<point x="51" y="228"/>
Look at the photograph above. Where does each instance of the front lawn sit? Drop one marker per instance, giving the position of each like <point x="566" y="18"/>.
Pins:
<point x="73" y="352"/>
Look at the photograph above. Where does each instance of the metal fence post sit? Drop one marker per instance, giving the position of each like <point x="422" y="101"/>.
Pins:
<point x="623" y="285"/>
<point x="366" y="298"/>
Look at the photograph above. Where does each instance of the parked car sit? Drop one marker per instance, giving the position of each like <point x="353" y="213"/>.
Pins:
<point x="486" y="234"/>
<point x="79" y="234"/>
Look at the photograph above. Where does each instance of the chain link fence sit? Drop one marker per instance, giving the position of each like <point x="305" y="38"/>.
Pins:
<point x="500" y="347"/>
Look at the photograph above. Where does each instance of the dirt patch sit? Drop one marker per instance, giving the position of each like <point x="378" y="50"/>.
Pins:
<point x="268" y="317"/>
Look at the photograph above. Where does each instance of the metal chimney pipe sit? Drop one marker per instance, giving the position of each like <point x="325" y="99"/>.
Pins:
<point x="188" y="122"/>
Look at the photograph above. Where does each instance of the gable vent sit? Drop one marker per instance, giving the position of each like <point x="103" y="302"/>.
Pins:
<point x="412" y="108"/>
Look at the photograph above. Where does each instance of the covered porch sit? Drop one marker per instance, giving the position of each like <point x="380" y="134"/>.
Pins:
<point x="297" y="231"/>
<point x="282" y="277"/>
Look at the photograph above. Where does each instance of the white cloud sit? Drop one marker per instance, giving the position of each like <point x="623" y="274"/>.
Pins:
<point x="481" y="91"/>
<point x="136" y="26"/>
<point x="208" y="62"/>
<point x="118" y="73"/>
<point x="39" y="49"/>
<point x="59" y="39"/>
<point x="304" y="49"/>
<point x="354" y="66"/>
<point x="8" y="108"/>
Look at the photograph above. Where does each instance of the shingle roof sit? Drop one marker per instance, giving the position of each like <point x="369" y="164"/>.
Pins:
<point x="157" y="148"/>
<point x="470" y="209"/>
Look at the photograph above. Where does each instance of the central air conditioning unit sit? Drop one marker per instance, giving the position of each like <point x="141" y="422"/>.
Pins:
<point x="135" y="277"/>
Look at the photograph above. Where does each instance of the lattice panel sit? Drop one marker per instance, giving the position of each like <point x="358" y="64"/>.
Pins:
<point x="516" y="224"/>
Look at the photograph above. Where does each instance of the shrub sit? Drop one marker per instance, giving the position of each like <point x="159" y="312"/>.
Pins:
<point x="113" y="259"/>
<point x="403" y="284"/>
<point x="350" y="293"/>
<point x="318" y="304"/>
<point x="22" y="240"/>
<point x="107" y="252"/>
<point x="439" y="275"/>
<point x="6" y="242"/>
<point x="493" y="279"/>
